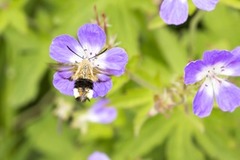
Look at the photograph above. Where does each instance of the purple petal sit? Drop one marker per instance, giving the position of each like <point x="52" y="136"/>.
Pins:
<point x="203" y="101"/>
<point x="62" y="84"/>
<point x="223" y="62"/>
<point x="227" y="95"/>
<point x="207" y="5"/>
<point x="92" y="38"/>
<point x="236" y="51"/>
<point x="101" y="88"/>
<point x="174" y="11"/>
<point x="63" y="48"/>
<point x="113" y="61"/>
<point x="216" y="57"/>
<point x="100" y="113"/>
<point x="232" y="68"/>
<point x="194" y="72"/>
<point x="98" y="156"/>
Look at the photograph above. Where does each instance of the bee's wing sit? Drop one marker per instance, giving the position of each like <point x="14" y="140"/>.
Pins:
<point x="62" y="67"/>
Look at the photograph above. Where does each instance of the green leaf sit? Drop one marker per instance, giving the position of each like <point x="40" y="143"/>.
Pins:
<point x="27" y="64"/>
<point x="176" y="56"/>
<point x="18" y="20"/>
<point x="156" y="22"/>
<point x="133" y="98"/>
<point x="231" y="3"/>
<point x="154" y="133"/>
<point x="3" y="20"/>
<point x="117" y="12"/>
<point x="141" y="117"/>
<point x="44" y="136"/>
<point x="180" y="145"/>
<point x="225" y="28"/>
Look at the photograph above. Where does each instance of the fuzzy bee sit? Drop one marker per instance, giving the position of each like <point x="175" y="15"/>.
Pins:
<point x="83" y="74"/>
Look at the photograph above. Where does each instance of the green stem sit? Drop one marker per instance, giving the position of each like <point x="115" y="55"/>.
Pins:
<point x="192" y="30"/>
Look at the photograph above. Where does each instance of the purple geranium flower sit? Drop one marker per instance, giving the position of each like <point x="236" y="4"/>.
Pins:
<point x="85" y="63"/>
<point x="212" y="68"/>
<point x="100" y="112"/>
<point x="176" y="11"/>
<point x="98" y="156"/>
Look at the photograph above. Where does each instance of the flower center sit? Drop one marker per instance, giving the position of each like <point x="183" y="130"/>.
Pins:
<point x="213" y="73"/>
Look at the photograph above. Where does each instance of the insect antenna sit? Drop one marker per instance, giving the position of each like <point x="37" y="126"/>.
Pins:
<point x="74" y="52"/>
<point x="101" y="52"/>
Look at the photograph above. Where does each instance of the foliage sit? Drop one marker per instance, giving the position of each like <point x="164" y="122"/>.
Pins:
<point x="157" y="56"/>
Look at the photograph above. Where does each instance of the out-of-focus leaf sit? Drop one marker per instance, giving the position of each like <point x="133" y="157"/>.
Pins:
<point x="226" y="27"/>
<point x="192" y="8"/>
<point x="141" y="116"/>
<point x="44" y="19"/>
<point x="95" y="132"/>
<point x="44" y="137"/>
<point x="118" y="83"/>
<point x="153" y="133"/>
<point x="26" y="65"/>
<point x="3" y="20"/>
<point x="151" y="74"/>
<point x="180" y="145"/>
<point x="18" y="20"/>
<point x="147" y="7"/>
<point x="156" y="22"/>
<point x="132" y="98"/>
<point x="217" y="138"/>
<point x="175" y="56"/>
<point x="117" y="12"/>
<point x="232" y="3"/>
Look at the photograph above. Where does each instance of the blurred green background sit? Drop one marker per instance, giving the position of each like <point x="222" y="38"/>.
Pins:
<point x="29" y="129"/>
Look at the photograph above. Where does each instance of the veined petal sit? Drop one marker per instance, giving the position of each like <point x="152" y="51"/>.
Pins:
<point x="227" y="95"/>
<point x="112" y="61"/>
<point x="101" y="88"/>
<point x="62" y="84"/>
<point x="92" y="38"/>
<point x="217" y="57"/>
<point x="203" y="101"/>
<point x="174" y="11"/>
<point x="101" y="113"/>
<point x="98" y="156"/>
<point x="232" y="68"/>
<point x="194" y="72"/>
<point x="66" y="49"/>
<point x="207" y="5"/>
<point x="236" y="51"/>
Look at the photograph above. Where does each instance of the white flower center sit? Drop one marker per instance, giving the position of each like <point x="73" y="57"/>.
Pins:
<point x="213" y="72"/>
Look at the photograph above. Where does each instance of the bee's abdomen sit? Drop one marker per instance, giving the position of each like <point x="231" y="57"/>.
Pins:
<point x="83" y="83"/>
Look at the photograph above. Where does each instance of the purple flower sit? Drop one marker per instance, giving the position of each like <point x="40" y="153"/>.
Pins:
<point x="86" y="65"/>
<point x="176" y="11"/>
<point x="212" y="68"/>
<point x="98" y="156"/>
<point x="101" y="113"/>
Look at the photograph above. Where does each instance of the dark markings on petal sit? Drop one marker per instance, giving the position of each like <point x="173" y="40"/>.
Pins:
<point x="101" y="52"/>
<point x="74" y="52"/>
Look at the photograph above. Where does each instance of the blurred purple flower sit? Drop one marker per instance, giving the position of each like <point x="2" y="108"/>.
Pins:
<point x="176" y="11"/>
<point x="98" y="156"/>
<point x="214" y="65"/>
<point x="101" y="113"/>
<point x="89" y="48"/>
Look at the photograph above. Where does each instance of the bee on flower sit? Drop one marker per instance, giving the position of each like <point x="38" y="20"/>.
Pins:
<point x="85" y="65"/>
